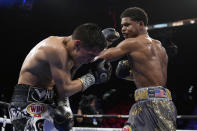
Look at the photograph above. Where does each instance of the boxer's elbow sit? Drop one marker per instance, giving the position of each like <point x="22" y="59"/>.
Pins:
<point x="68" y="92"/>
<point x="72" y="89"/>
<point x="64" y="91"/>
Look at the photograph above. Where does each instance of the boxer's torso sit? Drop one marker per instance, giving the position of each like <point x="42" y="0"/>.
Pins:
<point x="149" y="62"/>
<point x="35" y="70"/>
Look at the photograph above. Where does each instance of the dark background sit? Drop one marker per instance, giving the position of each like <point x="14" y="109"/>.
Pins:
<point x="23" y="23"/>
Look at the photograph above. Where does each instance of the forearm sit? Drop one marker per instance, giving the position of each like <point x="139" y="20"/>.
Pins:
<point x="110" y="54"/>
<point x="67" y="87"/>
<point x="80" y="84"/>
<point x="70" y="88"/>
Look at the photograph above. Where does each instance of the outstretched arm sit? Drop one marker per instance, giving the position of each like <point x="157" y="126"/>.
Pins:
<point x="117" y="52"/>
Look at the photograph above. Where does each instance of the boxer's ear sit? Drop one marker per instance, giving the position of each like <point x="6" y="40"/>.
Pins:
<point x="141" y="23"/>
<point x="77" y="44"/>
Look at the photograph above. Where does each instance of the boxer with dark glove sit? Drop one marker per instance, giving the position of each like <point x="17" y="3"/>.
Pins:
<point x="110" y="35"/>
<point x="124" y="71"/>
<point x="100" y="72"/>
<point x="101" y="69"/>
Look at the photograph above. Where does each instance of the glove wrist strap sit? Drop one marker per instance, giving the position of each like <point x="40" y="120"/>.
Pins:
<point x="87" y="80"/>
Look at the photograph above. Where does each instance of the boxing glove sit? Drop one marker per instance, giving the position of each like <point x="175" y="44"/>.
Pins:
<point x="110" y="35"/>
<point x="100" y="72"/>
<point x="62" y="114"/>
<point x="101" y="69"/>
<point x="123" y="70"/>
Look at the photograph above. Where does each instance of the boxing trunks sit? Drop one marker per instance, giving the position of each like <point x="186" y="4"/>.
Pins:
<point x="31" y="109"/>
<point x="153" y="110"/>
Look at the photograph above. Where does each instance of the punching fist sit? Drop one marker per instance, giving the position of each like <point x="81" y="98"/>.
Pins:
<point x="100" y="72"/>
<point x="111" y="35"/>
<point x="62" y="114"/>
<point x="101" y="69"/>
<point x="123" y="70"/>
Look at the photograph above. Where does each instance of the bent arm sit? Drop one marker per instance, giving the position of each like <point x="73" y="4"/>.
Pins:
<point x="65" y="86"/>
<point x="61" y="75"/>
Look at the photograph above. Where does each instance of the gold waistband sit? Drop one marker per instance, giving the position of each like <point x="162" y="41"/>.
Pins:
<point x="146" y="93"/>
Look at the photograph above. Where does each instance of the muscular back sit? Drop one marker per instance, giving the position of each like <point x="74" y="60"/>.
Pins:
<point x="149" y="62"/>
<point x="35" y="70"/>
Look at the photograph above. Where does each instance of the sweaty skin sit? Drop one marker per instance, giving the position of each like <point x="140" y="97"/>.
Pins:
<point x="147" y="56"/>
<point x="50" y="62"/>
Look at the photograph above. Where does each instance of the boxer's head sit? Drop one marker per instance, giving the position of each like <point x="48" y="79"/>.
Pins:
<point x="88" y="42"/>
<point x="133" y="21"/>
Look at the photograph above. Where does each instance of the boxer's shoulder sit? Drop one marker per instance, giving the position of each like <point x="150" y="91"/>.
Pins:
<point x="129" y="44"/>
<point x="54" y="47"/>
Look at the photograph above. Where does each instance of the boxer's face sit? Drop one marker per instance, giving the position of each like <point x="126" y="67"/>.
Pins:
<point x="129" y="28"/>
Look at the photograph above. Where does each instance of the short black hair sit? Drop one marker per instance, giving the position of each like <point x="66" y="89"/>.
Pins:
<point x="136" y="14"/>
<point x="90" y="34"/>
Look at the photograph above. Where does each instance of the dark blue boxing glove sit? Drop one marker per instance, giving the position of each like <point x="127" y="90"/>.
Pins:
<point x="110" y="35"/>
<point x="101" y="69"/>
<point x="124" y="71"/>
